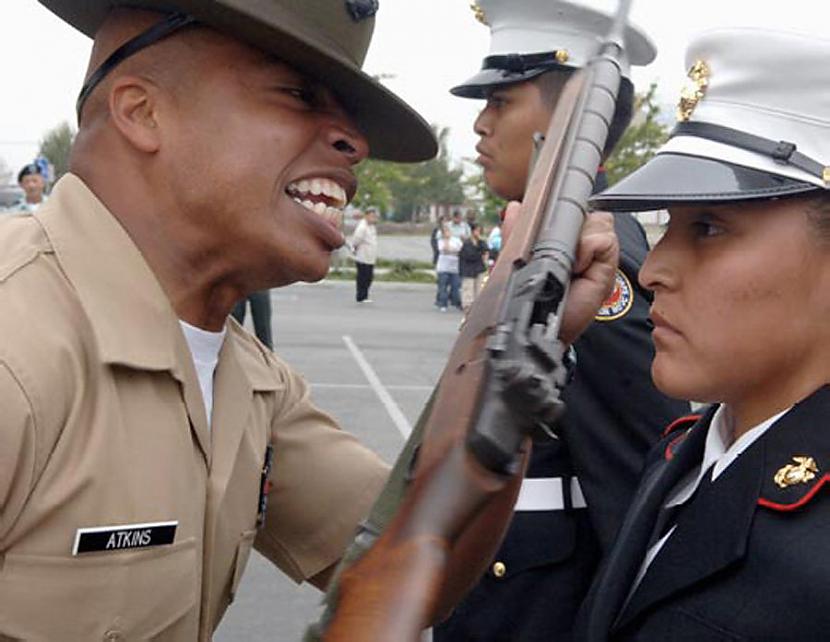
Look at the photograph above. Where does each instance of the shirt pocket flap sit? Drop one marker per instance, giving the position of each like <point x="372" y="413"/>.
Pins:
<point x="535" y="538"/>
<point x="243" y="553"/>
<point x="136" y="594"/>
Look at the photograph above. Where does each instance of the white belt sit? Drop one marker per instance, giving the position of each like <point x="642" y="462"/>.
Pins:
<point x="545" y="493"/>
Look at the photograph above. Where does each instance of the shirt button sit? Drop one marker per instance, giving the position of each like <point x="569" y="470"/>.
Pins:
<point x="113" y="636"/>
<point x="499" y="569"/>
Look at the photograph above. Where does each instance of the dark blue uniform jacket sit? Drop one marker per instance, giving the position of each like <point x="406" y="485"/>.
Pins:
<point x="614" y="416"/>
<point x="748" y="560"/>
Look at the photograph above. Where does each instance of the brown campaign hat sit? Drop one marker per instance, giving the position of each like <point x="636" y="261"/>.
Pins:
<point x="327" y="39"/>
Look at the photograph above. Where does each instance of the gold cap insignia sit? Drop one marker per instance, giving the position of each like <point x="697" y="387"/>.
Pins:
<point x="562" y="56"/>
<point x="802" y="471"/>
<point x="694" y="91"/>
<point x="479" y="13"/>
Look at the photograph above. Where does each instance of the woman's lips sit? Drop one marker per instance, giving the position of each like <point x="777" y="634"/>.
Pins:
<point x="663" y="330"/>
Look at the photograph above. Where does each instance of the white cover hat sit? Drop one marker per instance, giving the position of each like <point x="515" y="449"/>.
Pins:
<point x="754" y="123"/>
<point x="529" y="37"/>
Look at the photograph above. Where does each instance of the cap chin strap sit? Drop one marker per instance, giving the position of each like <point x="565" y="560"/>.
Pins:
<point x="157" y="32"/>
<point x="781" y="152"/>
<point x="522" y="63"/>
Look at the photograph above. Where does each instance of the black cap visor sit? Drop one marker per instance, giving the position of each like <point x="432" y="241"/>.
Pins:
<point x="480" y="85"/>
<point x="671" y="179"/>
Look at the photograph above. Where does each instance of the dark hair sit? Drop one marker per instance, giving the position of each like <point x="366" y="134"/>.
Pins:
<point x="550" y="84"/>
<point x="818" y="212"/>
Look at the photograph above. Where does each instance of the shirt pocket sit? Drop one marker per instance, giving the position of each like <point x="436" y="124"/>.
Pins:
<point x="125" y="595"/>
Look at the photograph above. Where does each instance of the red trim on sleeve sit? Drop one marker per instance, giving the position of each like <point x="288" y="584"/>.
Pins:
<point x="801" y="502"/>
<point x="676" y="424"/>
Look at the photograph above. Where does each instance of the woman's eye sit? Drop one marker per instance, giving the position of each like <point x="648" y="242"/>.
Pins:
<point x="706" y="228"/>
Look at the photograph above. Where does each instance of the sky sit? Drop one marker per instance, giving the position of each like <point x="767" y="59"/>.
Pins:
<point x="424" y="47"/>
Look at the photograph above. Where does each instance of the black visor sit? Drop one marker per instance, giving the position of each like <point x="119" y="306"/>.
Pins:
<point x="506" y="69"/>
<point x="670" y="179"/>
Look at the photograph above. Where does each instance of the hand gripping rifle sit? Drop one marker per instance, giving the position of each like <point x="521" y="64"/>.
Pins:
<point x="502" y="385"/>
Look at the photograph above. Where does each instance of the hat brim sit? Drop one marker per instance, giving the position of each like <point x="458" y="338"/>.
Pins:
<point x="673" y="179"/>
<point x="486" y="80"/>
<point x="394" y="130"/>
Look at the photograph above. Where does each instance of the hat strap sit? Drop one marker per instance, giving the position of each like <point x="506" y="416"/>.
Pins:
<point x="157" y="32"/>
<point x="522" y="63"/>
<point x="781" y="152"/>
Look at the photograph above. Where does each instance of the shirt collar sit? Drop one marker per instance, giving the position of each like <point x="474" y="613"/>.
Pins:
<point x="718" y="453"/>
<point x="130" y="314"/>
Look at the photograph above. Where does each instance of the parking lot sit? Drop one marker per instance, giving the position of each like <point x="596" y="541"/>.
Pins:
<point x="372" y="366"/>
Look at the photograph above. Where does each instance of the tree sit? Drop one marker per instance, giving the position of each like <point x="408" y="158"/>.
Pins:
<point x="55" y="146"/>
<point x="480" y="195"/>
<point x="409" y="189"/>
<point x="375" y="180"/>
<point x="641" y="140"/>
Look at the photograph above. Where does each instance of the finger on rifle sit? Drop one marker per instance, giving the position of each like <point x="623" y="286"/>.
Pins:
<point x="598" y="246"/>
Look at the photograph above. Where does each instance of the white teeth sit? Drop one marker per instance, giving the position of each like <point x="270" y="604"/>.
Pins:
<point x="316" y="187"/>
<point x="320" y="208"/>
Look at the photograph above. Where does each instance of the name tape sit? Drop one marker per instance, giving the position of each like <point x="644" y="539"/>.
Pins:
<point x="123" y="537"/>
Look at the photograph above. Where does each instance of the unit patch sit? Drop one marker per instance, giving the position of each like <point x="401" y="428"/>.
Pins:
<point x="619" y="303"/>
<point x="124" y="537"/>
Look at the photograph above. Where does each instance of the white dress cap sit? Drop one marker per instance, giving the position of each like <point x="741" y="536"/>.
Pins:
<point x="754" y="122"/>
<point x="573" y="31"/>
<point x="578" y="28"/>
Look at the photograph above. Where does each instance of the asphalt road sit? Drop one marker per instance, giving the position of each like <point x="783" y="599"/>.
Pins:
<point x="370" y="365"/>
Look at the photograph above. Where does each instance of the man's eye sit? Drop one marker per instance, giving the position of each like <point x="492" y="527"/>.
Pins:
<point x="496" y="102"/>
<point x="307" y="96"/>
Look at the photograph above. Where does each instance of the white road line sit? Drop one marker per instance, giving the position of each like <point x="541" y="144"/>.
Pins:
<point x="383" y="394"/>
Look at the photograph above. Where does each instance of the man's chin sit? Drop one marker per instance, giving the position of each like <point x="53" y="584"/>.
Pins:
<point x="505" y="192"/>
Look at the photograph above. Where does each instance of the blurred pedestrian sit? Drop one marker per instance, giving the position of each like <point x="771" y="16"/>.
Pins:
<point x="32" y="180"/>
<point x="459" y="228"/>
<point x="365" y="245"/>
<point x="260" y="311"/>
<point x="447" y="268"/>
<point x="494" y="243"/>
<point x="435" y="235"/>
<point x="472" y="265"/>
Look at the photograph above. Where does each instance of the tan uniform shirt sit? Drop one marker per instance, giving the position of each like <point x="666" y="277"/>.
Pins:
<point x="102" y="425"/>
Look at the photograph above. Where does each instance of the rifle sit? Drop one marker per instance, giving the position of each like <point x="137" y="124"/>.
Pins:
<point x="501" y="387"/>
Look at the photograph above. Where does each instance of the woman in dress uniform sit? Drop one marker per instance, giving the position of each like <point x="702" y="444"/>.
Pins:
<point x="727" y="537"/>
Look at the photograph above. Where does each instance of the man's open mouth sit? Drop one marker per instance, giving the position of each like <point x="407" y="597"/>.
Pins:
<point x="320" y="195"/>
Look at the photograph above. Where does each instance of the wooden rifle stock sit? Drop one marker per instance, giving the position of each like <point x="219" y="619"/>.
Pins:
<point x="459" y="501"/>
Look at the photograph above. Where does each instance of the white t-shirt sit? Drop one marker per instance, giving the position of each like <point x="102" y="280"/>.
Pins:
<point x="365" y="242"/>
<point x="448" y="250"/>
<point x="204" y="347"/>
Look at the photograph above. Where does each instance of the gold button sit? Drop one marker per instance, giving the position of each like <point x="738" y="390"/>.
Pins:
<point x="562" y="56"/>
<point x="499" y="569"/>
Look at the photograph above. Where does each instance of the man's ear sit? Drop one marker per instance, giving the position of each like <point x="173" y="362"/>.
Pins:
<point x="133" y="104"/>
